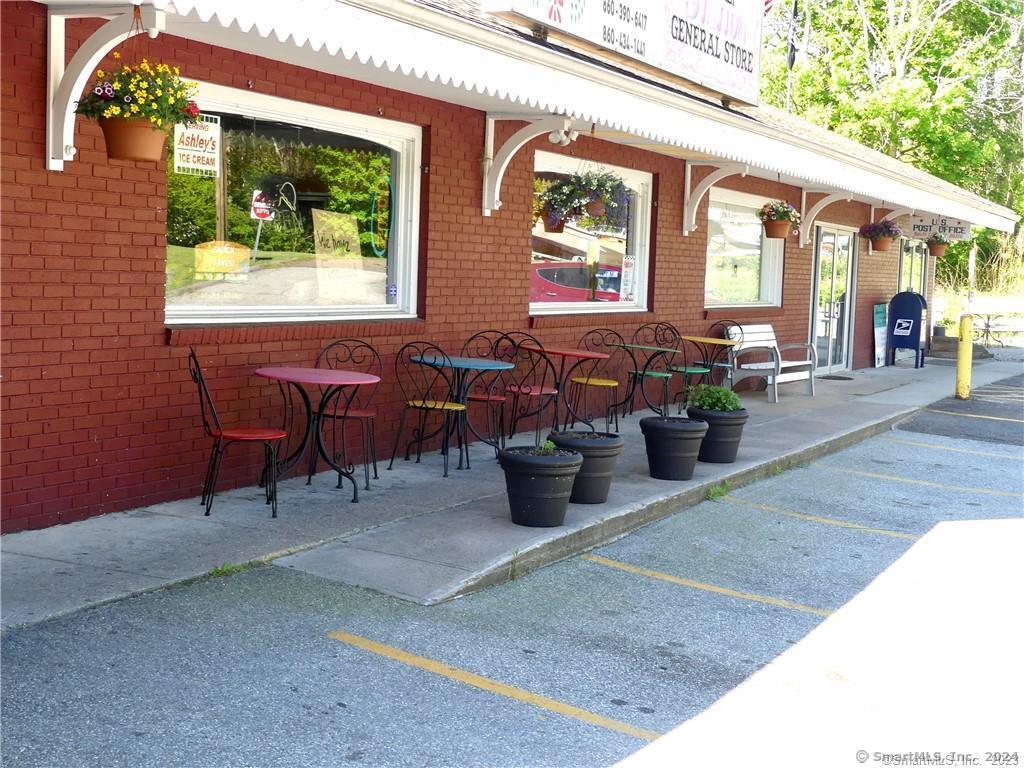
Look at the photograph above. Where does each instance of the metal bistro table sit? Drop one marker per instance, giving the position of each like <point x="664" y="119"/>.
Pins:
<point x="711" y="350"/>
<point x="566" y="353"/>
<point x="461" y="368"/>
<point x="334" y="383"/>
<point x="655" y="353"/>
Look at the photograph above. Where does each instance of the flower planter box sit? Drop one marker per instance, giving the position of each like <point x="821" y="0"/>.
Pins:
<point x="725" y="428"/>
<point x="539" y="486"/>
<point x="600" y="451"/>
<point x="673" y="444"/>
<point x="777" y="228"/>
<point x="132" y="139"/>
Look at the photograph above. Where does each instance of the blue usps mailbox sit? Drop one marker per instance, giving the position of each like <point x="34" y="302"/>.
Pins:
<point x="906" y="321"/>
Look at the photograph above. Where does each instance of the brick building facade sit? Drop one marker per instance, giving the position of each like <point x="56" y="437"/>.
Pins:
<point x="99" y="412"/>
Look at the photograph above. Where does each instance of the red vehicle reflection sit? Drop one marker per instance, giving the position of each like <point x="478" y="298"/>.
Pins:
<point x="570" y="281"/>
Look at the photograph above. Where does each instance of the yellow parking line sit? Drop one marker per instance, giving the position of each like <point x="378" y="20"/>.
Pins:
<point x="921" y="444"/>
<point x="817" y="519"/>
<point x="706" y="587"/>
<point x="974" y="415"/>
<point x="492" y="686"/>
<point x="962" y="488"/>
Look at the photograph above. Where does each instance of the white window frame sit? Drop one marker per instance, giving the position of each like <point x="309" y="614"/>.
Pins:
<point x="403" y="138"/>
<point x="772" y="252"/>
<point x="643" y="183"/>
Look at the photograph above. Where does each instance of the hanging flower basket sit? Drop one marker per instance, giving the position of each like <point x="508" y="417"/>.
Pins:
<point x="132" y="139"/>
<point x="137" y="106"/>
<point x="779" y="218"/>
<point x="600" y="195"/>
<point x="937" y="244"/>
<point x="881" y="234"/>
<point x="552" y="222"/>
<point x="778" y="228"/>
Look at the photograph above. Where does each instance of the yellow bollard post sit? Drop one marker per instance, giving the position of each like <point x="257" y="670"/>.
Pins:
<point x="964" y="358"/>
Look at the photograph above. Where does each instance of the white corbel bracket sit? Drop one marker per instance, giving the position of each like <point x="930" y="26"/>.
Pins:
<point x="808" y="217"/>
<point x="691" y="200"/>
<point x="895" y="214"/>
<point x="64" y="85"/>
<point x="495" y="165"/>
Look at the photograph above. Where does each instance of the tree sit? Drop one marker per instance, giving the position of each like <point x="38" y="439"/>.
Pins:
<point x="935" y="83"/>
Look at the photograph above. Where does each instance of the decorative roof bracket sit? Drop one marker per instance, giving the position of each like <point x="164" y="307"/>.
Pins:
<point x="64" y="85"/>
<point x="808" y="217"/>
<point x="692" y="200"/>
<point x="559" y="130"/>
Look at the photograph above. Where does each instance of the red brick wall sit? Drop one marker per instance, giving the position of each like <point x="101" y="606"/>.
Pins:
<point x="99" y="413"/>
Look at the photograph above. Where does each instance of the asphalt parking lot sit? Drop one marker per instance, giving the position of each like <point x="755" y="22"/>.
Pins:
<point x="580" y="663"/>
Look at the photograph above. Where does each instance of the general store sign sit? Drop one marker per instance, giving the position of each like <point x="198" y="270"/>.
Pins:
<point x="197" y="147"/>
<point x="714" y="43"/>
<point x="922" y="227"/>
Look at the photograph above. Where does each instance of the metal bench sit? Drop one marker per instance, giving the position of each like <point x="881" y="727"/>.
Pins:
<point x="775" y="370"/>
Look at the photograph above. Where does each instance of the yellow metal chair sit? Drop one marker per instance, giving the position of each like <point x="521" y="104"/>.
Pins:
<point x="424" y="374"/>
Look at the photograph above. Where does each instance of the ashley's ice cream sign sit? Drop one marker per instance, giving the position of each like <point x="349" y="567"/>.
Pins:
<point x="715" y="43"/>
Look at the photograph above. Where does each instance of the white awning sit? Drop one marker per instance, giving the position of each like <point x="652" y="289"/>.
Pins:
<point x="413" y="48"/>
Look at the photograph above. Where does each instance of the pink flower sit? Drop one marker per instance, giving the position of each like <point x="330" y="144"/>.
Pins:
<point x="192" y="109"/>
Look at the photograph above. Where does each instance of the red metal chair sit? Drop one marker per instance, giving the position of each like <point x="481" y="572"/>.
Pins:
<point x="222" y="438"/>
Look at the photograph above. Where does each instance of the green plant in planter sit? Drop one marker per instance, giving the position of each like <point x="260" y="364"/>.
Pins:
<point x="710" y="397"/>
<point x="725" y="415"/>
<point x="937" y="238"/>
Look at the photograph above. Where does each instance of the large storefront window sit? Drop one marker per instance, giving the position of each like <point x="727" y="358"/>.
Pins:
<point x="595" y="260"/>
<point x="743" y="266"/>
<point x="307" y="217"/>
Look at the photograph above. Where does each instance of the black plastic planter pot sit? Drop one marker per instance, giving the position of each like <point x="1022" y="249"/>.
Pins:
<point x="600" y="452"/>
<point x="724" y="430"/>
<point x="672" y="445"/>
<point x="539" y="486"/>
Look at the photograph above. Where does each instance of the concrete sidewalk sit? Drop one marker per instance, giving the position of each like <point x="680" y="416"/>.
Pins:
<point x="423" y="537"/>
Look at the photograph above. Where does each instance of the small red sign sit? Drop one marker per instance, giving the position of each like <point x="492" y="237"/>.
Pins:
<point x="261" y="209"/>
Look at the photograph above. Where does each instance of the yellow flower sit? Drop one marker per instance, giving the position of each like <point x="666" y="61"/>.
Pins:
<point x="152" y="119"/>
<point x="152" y="105"/>
<point x="135" y="108"/>
<point x="100" y="74"/>
<point x="116" y="55"/>
<point x="177" y="70"/>
<point x="159" y="122"/>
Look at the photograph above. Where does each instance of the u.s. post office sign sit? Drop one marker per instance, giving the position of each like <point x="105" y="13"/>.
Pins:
<point x="923" y="227"/>
<point x="714" y="43"/>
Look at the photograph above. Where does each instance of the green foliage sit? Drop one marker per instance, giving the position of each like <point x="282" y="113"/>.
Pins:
<point x="937" y="83"/>
<point x="718" y="491"/>
<point x="547" y="448"/>
<point x="227" y="569"/>
<point x="351" y="181"/>
<point x="710" y="397"/>
<point x="191" y="209"/>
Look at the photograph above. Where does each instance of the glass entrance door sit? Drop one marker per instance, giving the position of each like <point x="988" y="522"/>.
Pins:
<point x="830" y="331"/>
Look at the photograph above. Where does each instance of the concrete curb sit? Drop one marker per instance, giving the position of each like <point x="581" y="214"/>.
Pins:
<point x="616" y="527"/>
